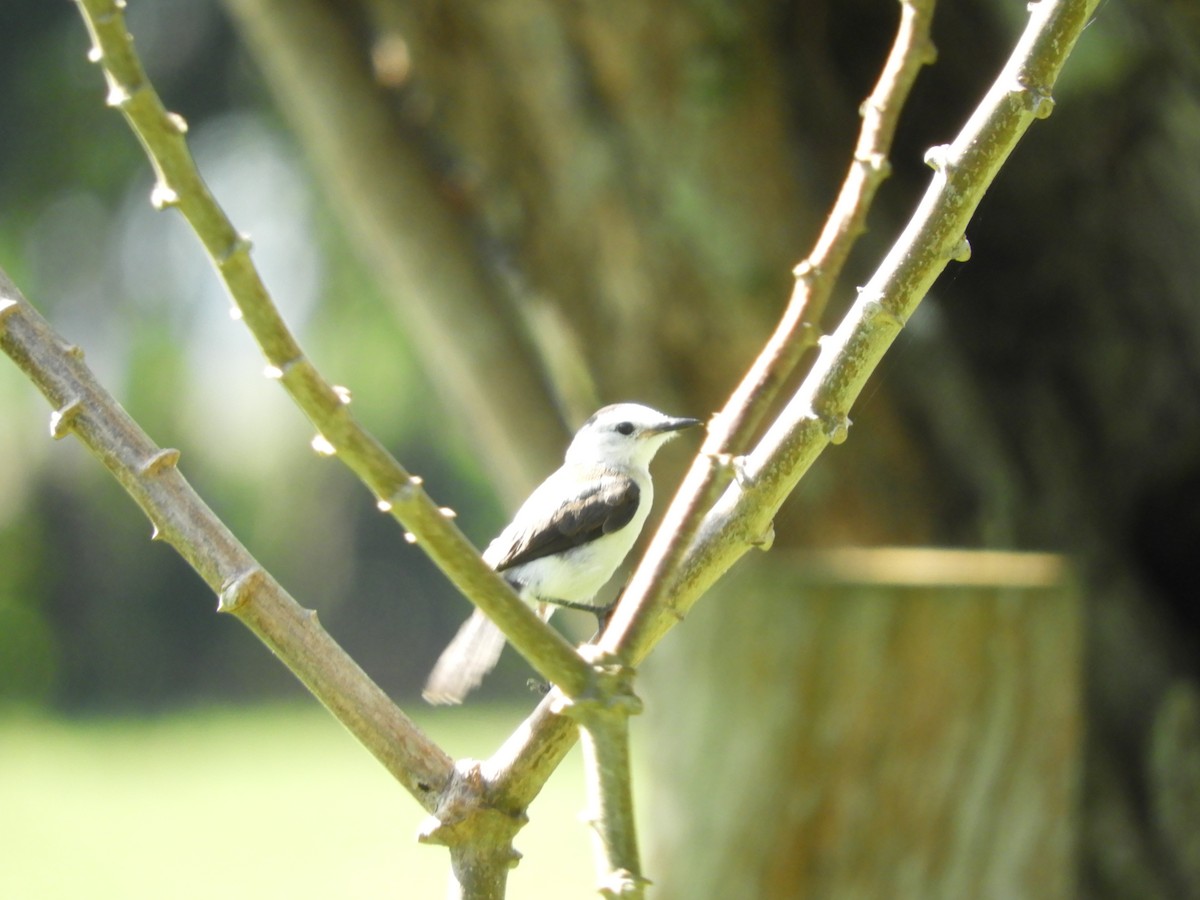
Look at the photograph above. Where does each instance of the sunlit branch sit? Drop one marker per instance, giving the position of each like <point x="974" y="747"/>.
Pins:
<point x="150" y="475"/>
<point x="796" y="332"/>
<point x="178" y="184"/>
<point x="817" y="413"/>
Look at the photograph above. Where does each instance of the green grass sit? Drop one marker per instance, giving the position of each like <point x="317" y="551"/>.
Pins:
<point x="259" y="803"/>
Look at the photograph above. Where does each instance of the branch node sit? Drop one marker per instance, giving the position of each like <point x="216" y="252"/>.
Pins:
<point x="877" y="311"/>
<point x="321" y="446"/>
<point x="240" y="244"/>
<point x="927" y="52"/>
<point x="622" y="883"/>
<point x="7" y="308"/>
<point x="117" y="97"/>
<point x="277" y="373"/>
<point x="675" y="612"/>
<point x="167" y="458"/>
<point x="238" y="591"/>
<point x="409" y="488"/>
<point x="806" y="271"/>
<point x="611" y="692"/>
<point x="837" y="427"/>
<point x="877" y="163"/>
<point x="178" y="122"/>
<point x="73" y="350"/>
<point x="162" y="196"/>
<point x="464" y="813"/>
<point x="938" y="157"/>
<point x="766" y="540"/>
<point x="1038" y="101"/>
<point x="734" y="464"/>
<point x="961" y="252"/>
<point x="343" y="394"/>
<point x="61" y="418"/>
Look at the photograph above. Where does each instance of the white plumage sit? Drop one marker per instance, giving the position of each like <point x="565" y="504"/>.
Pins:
<point x="568" y="537"/>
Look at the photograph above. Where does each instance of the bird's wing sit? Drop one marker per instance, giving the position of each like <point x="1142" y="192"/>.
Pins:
<point x="587" y="509"/>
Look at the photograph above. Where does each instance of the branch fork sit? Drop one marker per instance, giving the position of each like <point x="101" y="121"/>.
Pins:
<point x="713" y="520"/>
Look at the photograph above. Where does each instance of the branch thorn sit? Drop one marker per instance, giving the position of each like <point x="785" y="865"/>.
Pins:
<point x="877" y="310"/>
<point x="938" y="157"/>
<point x="240" y="244"/>
<point x="7" y="308"/>
<point x="163" y="196"/>
<point x="1041" y="104"/>
<point x="60" y="419"/>
<point x="765" y="540"/>
<point x="117" y="96"/>
<point x="837" y="427"/>
<point x="876" y="162"/>
<point x="167" y="458"/>
<point x="805" y="271"/>
<point x="735" y="464"/>
<point x="237" y="591"/>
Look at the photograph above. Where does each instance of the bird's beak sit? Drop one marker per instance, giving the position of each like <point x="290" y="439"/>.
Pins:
<point x="674" y="425"/>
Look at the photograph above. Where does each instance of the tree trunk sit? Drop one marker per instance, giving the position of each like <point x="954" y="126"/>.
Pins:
<point x="641" y="177"/>
<point x="892" y="723"/>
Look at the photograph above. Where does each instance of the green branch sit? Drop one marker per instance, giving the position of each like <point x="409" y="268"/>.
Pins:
<point x="604" y="731"/>
<point x="732" y="428"/>
<point x="818" y="413"/>
<point x="394" y="206"/>
<point x="816" y="416"/>
<point x="179" y="184"/>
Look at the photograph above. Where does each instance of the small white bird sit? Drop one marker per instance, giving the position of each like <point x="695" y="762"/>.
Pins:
<point x="568" y="538"/>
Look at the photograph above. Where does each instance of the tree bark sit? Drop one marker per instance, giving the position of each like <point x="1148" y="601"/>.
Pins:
<point x="899" y="723"/>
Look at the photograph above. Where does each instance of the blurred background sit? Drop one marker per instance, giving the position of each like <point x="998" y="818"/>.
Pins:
<point x="487" y="222"/>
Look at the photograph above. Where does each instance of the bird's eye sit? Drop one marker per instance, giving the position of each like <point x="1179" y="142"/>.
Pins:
<point x="625" y="428"/>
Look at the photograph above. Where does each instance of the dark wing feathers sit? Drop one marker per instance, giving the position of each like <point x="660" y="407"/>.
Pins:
<point x="605" y="506"/>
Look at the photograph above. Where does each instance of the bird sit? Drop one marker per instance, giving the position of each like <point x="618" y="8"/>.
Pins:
<point x="568" y="538"/>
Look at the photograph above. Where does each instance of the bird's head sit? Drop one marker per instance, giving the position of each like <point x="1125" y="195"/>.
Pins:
<point x="624" y="434"/>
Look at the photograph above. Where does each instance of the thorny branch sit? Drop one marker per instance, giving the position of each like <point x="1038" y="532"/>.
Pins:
<point x="679" y="569"/>
<point x="178" y="183"/>
<point x="816" y="415"/>
<point x="150" y="475"/>
<point x="796" y="332"/>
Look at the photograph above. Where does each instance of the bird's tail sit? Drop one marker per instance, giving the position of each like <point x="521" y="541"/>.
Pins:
<point x="468" y="658"/>
<point x="473" y="653"/>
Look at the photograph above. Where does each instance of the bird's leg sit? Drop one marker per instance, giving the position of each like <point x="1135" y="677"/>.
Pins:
<point x="602" y="613"/>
